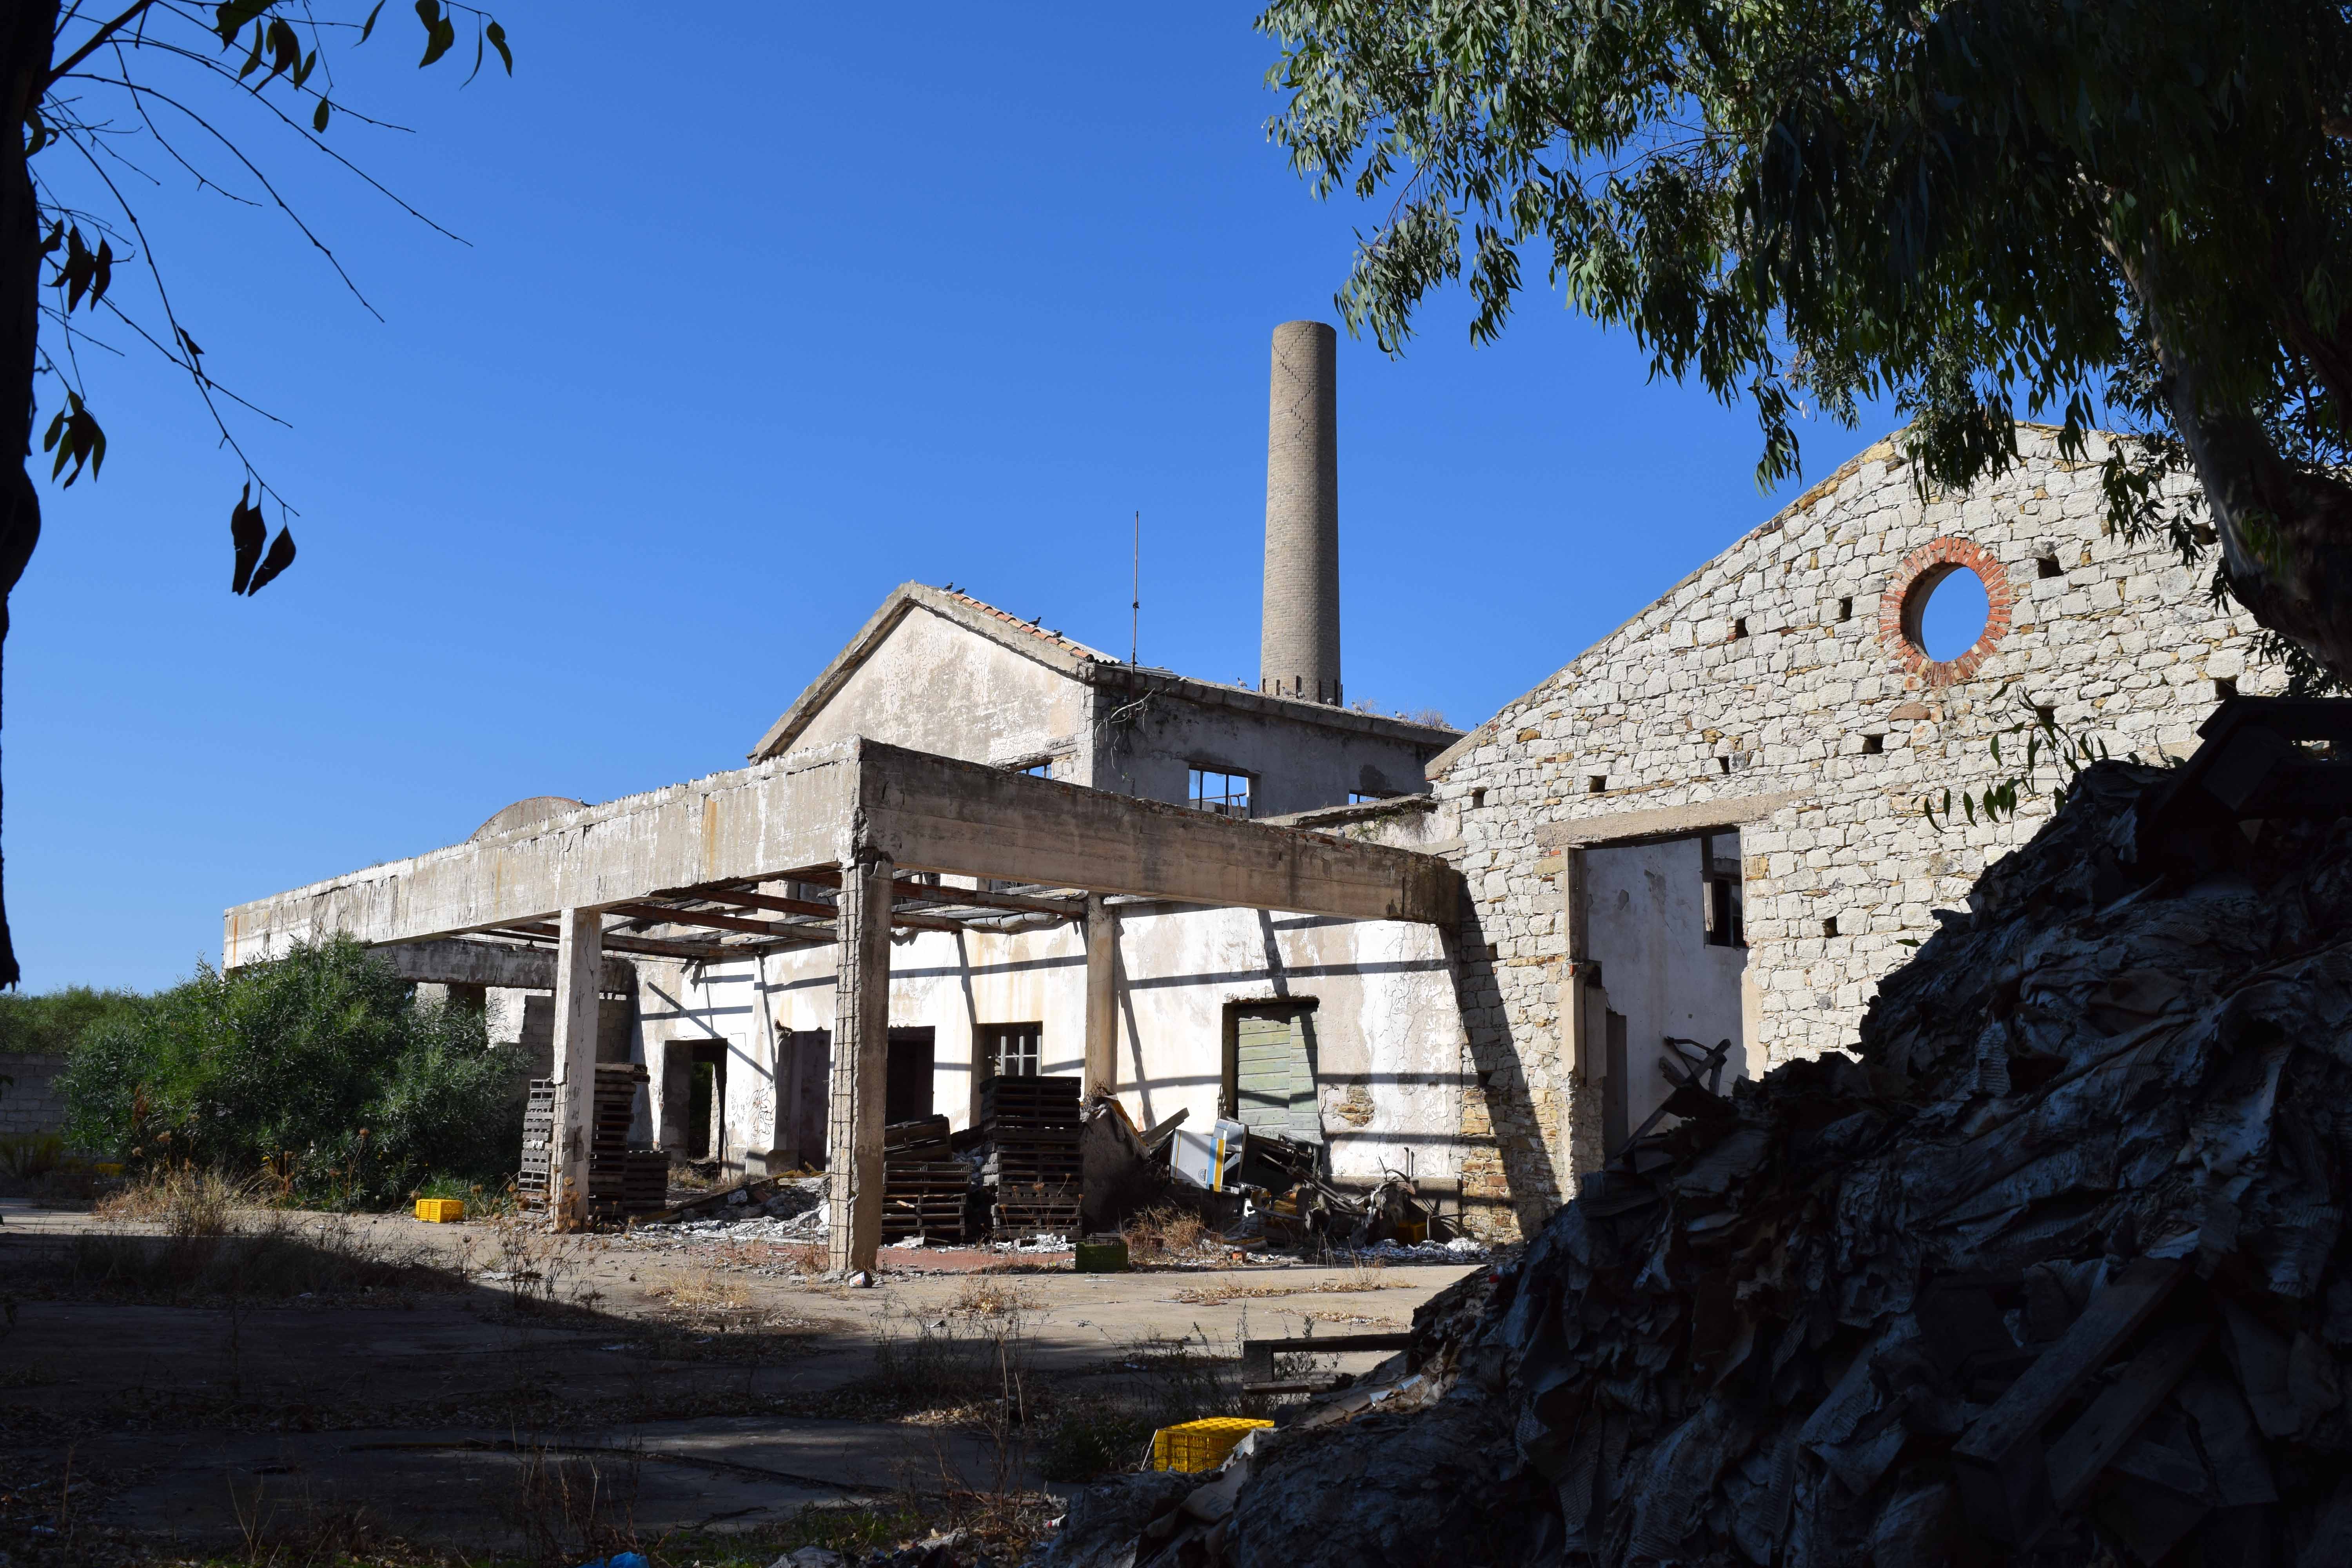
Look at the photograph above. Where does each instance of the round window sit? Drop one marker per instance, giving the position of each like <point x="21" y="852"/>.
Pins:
<point x="1952" y="614"/>
<point x="1947" y="606"/>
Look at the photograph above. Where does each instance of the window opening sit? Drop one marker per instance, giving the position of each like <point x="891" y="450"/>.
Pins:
<point x="1722" y="906"/>
<point x="1477" y="798"/>
<point x="1221" y="793"/>
<point x="2048" y="566"/>
<point x="1044" y="770"/>
<point x="1828" y="926"/>
<point x="1873" y="745"/>
<point x="1012" y="1050"/>
<point x="1596" y="784"/>
<point x="1955" y="615"/>
<point x="1845" y="609"/>
<point x="2224" y="688"/>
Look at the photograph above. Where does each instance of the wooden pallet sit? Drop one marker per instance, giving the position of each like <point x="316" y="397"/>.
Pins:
<point x="1033" y="1207"/>
<point x="621" y="1180"/>
<point x="921" y="1196"/>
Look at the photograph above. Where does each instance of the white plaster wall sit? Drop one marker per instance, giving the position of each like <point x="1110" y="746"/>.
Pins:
<point x="1646" y="907"/>
<point x="937" y="687"/>
<point x="1294" y="764"/>
<point x="1392" y="1046"/>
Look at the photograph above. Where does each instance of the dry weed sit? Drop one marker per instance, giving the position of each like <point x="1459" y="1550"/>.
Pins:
<point x="1164" y="1234"/>
<point x="984" y="1295"/>
<point x="701" y="1289"/>
<point x="180" y="1200"/>
<point x="1217" y="1294"/>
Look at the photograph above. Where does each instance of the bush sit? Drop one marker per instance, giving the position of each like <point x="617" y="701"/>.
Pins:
<point x="56" y="1022"/>
<point x="318" y="1069"/>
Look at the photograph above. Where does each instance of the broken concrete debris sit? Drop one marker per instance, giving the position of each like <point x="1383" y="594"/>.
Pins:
<point x="2053" y="1271"/>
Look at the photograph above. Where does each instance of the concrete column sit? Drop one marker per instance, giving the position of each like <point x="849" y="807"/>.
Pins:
<point x="861" y="1058"/>
<point x="1102" y="998"/>
<point x="579" y="1015"/>
<point x="1298" y="638"/>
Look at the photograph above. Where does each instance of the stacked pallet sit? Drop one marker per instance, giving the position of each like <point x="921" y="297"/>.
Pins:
<point x="923" y="1184"/>
<point x="1032" y="1162"/>
<point x="621" y="1180"/>
<point x="645" y="1181"/>
<point x="537" y="1145"/>
<point x="608" y="1137"/>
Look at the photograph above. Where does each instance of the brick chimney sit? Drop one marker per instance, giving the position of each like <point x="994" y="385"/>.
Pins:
<point x="1298" y="638"/>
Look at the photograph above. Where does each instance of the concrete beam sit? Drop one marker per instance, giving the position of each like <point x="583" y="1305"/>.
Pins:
<point x="454" y="963"/>
<point x="856" y="798"/>
<point x="1666" y="821"/>
<point x="861" y="1047"/>
<point x="937" y="813"/>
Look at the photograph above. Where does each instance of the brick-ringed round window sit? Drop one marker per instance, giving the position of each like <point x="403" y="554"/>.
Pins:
<point x="1909" y="629"/>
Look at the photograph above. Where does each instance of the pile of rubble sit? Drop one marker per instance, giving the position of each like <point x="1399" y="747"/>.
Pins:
<point x="2054" y="1272"/>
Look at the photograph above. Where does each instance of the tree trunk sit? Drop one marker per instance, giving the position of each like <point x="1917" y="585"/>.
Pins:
<point x="27" y="33"/>
<point x="2285" y="533"/>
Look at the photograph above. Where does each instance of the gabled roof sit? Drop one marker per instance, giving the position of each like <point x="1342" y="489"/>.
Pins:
<point x="1067" y="655"/>
<point x="1026" y="637"/>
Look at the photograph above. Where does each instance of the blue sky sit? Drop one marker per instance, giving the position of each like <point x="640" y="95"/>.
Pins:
<point x="755" y="322"/>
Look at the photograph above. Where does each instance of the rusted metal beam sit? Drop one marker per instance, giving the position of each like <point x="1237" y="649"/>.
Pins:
<point x="743" y="899"/>
<point x="664" y="914"/>
<point x="652" y="946"/>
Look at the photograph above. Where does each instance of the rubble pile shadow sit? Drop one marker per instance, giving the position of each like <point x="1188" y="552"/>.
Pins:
<point x="2052" y="1271"/>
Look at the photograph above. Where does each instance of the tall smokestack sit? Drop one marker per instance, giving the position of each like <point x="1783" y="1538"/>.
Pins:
<point x="1298" y="639"/>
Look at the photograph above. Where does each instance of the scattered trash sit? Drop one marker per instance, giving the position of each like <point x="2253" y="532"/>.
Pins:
<point x="619" y="1559"/>
<point x="810" y="1557"/>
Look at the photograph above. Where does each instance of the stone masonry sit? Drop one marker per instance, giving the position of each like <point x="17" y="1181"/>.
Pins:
<point x="1789" y="667"/>
<point x="33" y="1105"/>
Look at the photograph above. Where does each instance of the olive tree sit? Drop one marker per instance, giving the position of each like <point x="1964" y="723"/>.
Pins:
<point x="2134" y="211"/>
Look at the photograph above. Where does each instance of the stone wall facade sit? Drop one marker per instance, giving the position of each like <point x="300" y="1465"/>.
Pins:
<point x="32" y="1105"/>
<point x="1788" y="670"/>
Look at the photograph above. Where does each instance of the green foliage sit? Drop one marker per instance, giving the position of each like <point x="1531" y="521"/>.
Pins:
<point x="51" y="1024"/>
<point x="2045" y="746"/>
<point x="2137" y="209"/>
<point x="318" y="1069"/>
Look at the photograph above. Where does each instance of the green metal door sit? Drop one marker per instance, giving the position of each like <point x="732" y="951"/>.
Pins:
<point x="1274" y="1073"/>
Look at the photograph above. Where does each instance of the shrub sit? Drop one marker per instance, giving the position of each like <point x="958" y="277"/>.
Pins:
<point x="318" y="1069"/>
<point x="54" y="1022"/>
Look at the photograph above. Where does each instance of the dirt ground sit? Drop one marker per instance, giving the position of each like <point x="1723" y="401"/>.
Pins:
<point x="495" y="1391"/>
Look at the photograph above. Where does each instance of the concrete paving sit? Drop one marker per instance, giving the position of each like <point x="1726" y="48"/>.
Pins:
<point x="701" y="1386"/>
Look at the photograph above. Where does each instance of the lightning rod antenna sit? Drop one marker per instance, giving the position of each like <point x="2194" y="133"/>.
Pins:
<point x="1135" y="609"/>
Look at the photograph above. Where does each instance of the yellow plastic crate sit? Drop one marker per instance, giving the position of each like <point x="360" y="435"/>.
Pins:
<point x="440" y="1211"/>
<point x="1199" y="1445"/>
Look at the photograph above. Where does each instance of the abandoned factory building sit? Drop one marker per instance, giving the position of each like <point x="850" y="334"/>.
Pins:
<point x="974" y="846"/>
